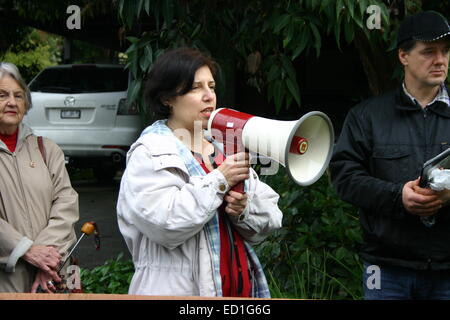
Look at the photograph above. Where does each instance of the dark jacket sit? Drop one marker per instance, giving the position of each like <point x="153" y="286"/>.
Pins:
<point x="384" y="143"/>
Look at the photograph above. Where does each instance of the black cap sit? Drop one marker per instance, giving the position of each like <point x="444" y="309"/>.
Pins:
<point x="423" y="26"/>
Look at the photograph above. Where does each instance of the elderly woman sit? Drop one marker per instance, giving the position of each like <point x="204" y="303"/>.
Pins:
<point x="188" y="233"/>
<point x="38" y="206"/>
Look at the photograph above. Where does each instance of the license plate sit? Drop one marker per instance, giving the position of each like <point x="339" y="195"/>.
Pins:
<point x="70" y="114"/>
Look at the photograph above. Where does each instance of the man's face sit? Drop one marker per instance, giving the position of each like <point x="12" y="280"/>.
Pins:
<point x="426" y="65"/>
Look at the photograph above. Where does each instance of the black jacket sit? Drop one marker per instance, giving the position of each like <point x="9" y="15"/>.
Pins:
<point x="384" y="143"/>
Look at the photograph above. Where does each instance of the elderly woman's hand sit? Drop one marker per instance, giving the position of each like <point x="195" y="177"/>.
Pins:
<point x="235" y="168"/>
<point x="44" y="280"/>
<point x="45" y="258"/>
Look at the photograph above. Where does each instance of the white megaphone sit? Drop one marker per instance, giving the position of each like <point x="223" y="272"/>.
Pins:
<point x="303" y="146"/>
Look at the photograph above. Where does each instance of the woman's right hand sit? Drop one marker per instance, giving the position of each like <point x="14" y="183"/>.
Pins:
<point x="45" y="258"/>
<point x="235" y="168"/>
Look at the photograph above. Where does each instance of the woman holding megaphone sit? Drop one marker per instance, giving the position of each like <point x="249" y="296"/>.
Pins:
<point x="188" y="233"/>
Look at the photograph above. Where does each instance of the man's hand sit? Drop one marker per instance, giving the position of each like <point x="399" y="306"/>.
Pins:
<point x="236" y="203"/>
<point x="443" y="195"/>
<point x="420" y="201"/>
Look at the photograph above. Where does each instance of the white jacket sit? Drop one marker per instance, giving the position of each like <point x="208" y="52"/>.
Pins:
<point x="161" y="213"/>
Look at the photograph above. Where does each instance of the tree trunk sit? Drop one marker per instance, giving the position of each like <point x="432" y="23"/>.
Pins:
<point x="377" y="63"/>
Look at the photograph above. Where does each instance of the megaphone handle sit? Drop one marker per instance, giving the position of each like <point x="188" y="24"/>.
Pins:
<point x="239" y="187"/>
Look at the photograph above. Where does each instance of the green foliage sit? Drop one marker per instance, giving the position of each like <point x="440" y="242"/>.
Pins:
<point x="11" y="36"/>
<point x="35" y="52"/>
<point x="262" y="39"/>
<point x="314" y="255"/>
<point x="50" y="10"/>
<point x="113" y="277"/>
<point x="83" y="52"/>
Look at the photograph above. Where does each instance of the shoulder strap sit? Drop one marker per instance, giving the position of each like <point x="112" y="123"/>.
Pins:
<point x="42" y="148"/>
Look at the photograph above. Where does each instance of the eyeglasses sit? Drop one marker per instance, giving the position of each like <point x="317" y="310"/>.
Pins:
<point x="19" y="96"/>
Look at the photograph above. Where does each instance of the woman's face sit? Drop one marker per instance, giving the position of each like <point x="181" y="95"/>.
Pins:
<point x="12" y="105"/>
<point x="197" y="104"/>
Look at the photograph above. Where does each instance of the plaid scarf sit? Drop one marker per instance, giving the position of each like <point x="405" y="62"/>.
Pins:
<point x="260" y="288"/>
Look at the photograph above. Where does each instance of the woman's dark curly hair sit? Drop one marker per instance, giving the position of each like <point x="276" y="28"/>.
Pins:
<point x="172" y="75"/>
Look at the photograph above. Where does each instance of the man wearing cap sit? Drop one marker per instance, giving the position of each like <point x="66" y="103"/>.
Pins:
<point x="378" y="159"/>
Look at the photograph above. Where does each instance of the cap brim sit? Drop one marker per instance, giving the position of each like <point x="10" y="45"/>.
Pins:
<point x="431" y="38"/>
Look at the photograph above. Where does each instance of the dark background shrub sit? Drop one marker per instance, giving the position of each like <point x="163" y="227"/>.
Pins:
<point x="315" y="253"/>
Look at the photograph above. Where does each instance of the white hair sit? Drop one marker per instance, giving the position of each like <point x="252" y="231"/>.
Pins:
<point x="10" y="69"/>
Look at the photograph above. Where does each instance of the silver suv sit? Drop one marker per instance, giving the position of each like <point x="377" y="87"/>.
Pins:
<point x="83" y="108"/>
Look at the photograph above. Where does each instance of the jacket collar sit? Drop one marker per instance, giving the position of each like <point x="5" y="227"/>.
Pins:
<point x="403" y="102"/>
<point x="24" y="132"/>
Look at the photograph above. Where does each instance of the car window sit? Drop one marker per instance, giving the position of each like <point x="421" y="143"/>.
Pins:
<point x="80" y="79"/>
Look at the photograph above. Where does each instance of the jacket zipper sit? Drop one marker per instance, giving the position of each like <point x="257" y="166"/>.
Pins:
<point x="213" y="271"/>
<point x="197" y="261"/>
<point x="23" y="192"/>
<point x="425" y="132"/>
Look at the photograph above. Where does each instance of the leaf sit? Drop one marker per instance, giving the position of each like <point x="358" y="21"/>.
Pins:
<point x="363" y="6"/>
<point x="293" y="89"/>
<point x="168" y="13"/>
<point x="303" y="41"/>
<point x="341" y="253"/>
<point x="133" y="91"/>
<point x="270" y="96"/>
<point x="350" y="5"/>
<point x="147" y="6"/>
<point x="129" y="12"/>
<point x="140" y="5"/>
<point x="359" y="20"/>
<point x="318" y="39"/>
<point x="119" y="256"/>
<point x="384" y="15"/>
<point x="288" y="67"/>
<point x="146" y="58"/>
<point x="278" y="95"/>
<point x="349" y="32"/>
<point x="156" y="14"/>
<point x="134" y="65"/>
<point x="120" y="7"/>
<point x="281" y="22"/>
<point x="337" y="34"/>
<point x="339" y="5"/>
<point x="330" y="14"/>
<point x="292" y="197"/>
<point x="392" y="46"/>
<point x="324" y="4"/>
<point x="197" y="28"/>
<point x="288" y="104"/>
<point x="273" y="73"/>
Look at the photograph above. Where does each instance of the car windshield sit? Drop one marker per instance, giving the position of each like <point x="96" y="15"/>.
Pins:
<point x="80" y="79"/>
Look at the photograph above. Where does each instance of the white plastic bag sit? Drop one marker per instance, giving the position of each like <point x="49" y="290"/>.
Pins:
<point x="440" y="179"/>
